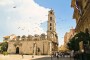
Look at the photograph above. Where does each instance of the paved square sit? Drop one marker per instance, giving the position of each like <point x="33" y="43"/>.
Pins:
<point x="30" y="57"/>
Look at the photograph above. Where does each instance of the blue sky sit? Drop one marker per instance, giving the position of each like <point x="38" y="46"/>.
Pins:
<point x="30" y="17"/>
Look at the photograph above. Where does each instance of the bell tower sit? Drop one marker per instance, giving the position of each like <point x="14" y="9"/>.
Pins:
<point x="51" y="27"/>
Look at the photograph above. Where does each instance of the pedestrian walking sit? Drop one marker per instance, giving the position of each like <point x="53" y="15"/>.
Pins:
<point x="57" y="55"/>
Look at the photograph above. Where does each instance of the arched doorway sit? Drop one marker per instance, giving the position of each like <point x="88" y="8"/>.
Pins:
<point x="17" y="50"/>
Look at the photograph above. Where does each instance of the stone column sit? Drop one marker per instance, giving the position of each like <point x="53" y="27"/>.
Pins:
<point x="34" y="48"/>
<point x="50" y="47"/>
<point x="43" y="47"/>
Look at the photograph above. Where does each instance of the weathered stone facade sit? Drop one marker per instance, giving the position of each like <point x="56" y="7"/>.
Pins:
<point x="81" y="14"/>
<point x="37" y="44"/>
<point x="27" y="46"/>
<point x="69" y="35"/>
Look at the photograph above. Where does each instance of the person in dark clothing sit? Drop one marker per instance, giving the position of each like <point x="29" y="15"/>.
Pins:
<point x="57" y="55"/>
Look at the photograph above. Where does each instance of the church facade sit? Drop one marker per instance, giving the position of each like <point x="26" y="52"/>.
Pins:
<point x="37" y="44"/>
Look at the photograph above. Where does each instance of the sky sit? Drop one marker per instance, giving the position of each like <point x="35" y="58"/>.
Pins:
<point x="29" y="17"/>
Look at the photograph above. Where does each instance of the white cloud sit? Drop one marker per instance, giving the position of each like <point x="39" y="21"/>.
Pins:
<point x="25" y="18"/>
<point x="6" y="2"/>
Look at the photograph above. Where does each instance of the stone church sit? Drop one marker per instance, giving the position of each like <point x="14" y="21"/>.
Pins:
<point x="37" y="44"/>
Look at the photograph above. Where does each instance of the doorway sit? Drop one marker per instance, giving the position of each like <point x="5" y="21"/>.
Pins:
<point x="17" y="50"/>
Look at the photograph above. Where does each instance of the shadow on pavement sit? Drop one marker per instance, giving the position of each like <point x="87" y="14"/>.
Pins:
<point x="53" y="58"/>
<point x="43" y="58"/>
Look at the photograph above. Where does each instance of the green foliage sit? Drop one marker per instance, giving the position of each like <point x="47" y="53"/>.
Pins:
<point x="81" y="36"/>
<point x="4" y="46"/>
<point x="5" y="53"/>
<point x="73" y="44"/>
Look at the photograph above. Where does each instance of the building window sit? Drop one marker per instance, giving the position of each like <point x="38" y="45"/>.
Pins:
<point x="50" y="28"/>
<point x="50" y="18"/>
<point x="50" y="24"/>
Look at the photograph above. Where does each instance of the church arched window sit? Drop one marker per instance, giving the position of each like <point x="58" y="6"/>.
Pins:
<point x="50" y="18"/>
<point x="50" y="24"/>
<point x="50" y="28"/>
<point x="50" y="12"/>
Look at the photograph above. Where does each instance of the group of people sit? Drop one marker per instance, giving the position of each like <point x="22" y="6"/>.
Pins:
<point x="61" y="54"/>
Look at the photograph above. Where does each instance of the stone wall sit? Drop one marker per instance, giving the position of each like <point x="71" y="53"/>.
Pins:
<point x="27" y="47"/>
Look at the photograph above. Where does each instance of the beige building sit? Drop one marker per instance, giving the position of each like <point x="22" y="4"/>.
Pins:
<point x="67" y="37"/>
<point x="81" y="14"/>
<point x="37" y="44"/>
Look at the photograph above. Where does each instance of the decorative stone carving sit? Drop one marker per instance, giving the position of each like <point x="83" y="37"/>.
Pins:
<point x="23" y="37"/>
<point x="43" y="36"/>
<point x="18" y="37"/>
<point x="29" y="37"/>
<point x="36" y="37"/>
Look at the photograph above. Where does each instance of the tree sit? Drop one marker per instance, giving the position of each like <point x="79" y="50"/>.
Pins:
<point x="74" y="42"/>
<point x="4" y="46"/>
<point x="81" y="36"/>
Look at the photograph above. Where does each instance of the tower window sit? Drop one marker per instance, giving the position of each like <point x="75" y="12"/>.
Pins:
<point x="50" y="12"/>
<point x="50" y="28"/>
<point x="50" y="24"/>
<point x="50" y="18"/>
